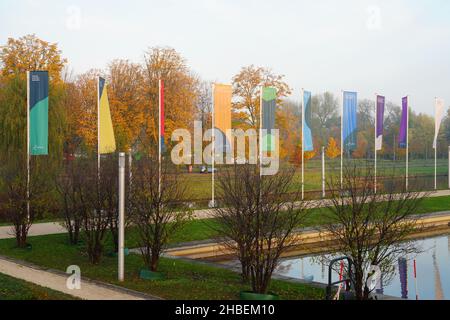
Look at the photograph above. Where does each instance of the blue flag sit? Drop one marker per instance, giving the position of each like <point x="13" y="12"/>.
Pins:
<point x="307" y="133"/>
<point x="349" y="120"/>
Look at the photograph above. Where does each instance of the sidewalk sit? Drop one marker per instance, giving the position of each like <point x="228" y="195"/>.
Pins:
<point x="40" y="229"/>
<point x="90" y="290"/>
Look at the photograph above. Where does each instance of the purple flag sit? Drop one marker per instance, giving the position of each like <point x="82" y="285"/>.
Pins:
<point x="403" y="135"/>
<point x="380" y="123"/>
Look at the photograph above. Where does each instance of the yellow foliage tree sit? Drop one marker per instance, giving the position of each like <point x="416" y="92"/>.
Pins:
<point x="332" y="151"/>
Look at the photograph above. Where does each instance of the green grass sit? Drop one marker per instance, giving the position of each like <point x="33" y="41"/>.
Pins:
<point x="15" y="289"/>
<point x="186" y="280"/>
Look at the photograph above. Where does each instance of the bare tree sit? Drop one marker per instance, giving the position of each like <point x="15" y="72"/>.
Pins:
<point x="155" y="208"/>
<point x="255" y="222"/>
<point x="372" y="229"/>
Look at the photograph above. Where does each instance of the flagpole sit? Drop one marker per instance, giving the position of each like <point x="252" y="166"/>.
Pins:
<point x="260" y="130"/>
<point x="213" y="200"/>
<point x="28" y="146"/>
<point x="323" y="172"/>
<point x="159" y="137"/>
<point x="98" y="128"/>
<point x="435" y="146"/>
<point x="303" y="143"/>
<point x="375" y="144"/>
<point x="342" y="140"/>
<point x="407" y="143"/>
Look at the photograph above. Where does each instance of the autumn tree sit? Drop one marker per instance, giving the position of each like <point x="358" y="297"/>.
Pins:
<point x="246" y="89"/>
<point x="332" y="151"/>
<point x="325" y="115"/>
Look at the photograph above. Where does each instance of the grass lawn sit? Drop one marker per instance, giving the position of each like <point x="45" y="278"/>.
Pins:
<point x="15" y="289"/>
<point x="186" y="280"/>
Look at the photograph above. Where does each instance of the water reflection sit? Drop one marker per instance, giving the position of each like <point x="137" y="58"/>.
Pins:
<point x="432" y="271"/>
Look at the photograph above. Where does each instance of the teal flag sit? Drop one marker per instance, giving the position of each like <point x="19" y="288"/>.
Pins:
<point x="38" y="112"/>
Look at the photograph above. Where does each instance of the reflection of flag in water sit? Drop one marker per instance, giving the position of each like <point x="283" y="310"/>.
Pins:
<point x="403" y="134"/>
<point x="379" y="123"/>
<point x="438" y="292"/>
<point x="38" y="112"/>
<point x="349" y="120"/>
<point x="403" y="272"/>
<point x="269" y="104"/>
<point x="106" y="140"/>
<point x="307" y="132"/>
<point x="222" y="116"/>
<point x="161" y="117"/>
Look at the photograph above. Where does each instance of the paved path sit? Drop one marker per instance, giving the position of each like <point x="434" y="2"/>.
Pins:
<point x="40" y="229"/>
<point x="57" y="281"/>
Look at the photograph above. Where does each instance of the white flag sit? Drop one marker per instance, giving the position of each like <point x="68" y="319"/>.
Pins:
<point x="439" y="115"/>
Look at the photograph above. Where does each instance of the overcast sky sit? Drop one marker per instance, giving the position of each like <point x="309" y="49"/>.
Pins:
<point x="392" y="47"/>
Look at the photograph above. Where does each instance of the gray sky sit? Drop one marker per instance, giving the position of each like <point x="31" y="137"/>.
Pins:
<point x="392" y="47"/>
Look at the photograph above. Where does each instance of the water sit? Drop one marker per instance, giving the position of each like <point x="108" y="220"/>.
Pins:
<point x="433" y="271"/>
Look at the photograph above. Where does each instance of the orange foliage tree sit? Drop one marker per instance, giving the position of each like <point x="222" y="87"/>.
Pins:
<point x="332" y="151"/>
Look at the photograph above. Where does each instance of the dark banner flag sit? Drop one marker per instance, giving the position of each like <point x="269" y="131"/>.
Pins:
<point x="403" y="134"/>
<point x="307" y="132"/>
<point x="269" y="102"/>
<point x="379" y="123"/>
<point x="161" y="117"/>
<point x="349" y="122"/>
<point x="38" y="112"/>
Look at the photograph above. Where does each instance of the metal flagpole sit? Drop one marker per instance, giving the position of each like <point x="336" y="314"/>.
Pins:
<point x="121" y="253"/>
<point x="407" y="143"/>
<point x="323" y="172"/>
<point x="28" y="145"/>
<point x="342" y="140"/>
<point x="260" y="130"/>
<point x="375" y="144"/>
<point x="449" y="167"/>
<point x="98" y="128"/>
<point x="159" y="137"/>
<point x="435" y="148"/>
<point x="213" y="200"/>
<point x="303" y="143"/>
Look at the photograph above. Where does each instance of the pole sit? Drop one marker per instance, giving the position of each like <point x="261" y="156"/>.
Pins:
<point x="323" y="172"/>
<point x="375" y="144"/>
<point x="449" y="167"/>
<point x="342" y="141"/>
<point x="98" y="128"/>
<point x="213" y="176"/>
<point x="260" y="130"/>
<point x="435" y="151"/>
<point x="28" y="146"/>
<point x="415" y="281"/>
<point x="121" y="253"/>
<point x="303" y="143"/>
<point x="130" y="165"/>
<point x="159" y="136"/>
<point x="407" y="143"/>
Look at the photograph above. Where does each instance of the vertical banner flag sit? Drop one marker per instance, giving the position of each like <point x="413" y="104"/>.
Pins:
<point x="379" y="123"/>
<point x="38" y="113"/>
<point x="403" y="134"/>
<point x="350" y="120"/>
<point x="307" y="132"/>
<point x="269" y="102"/>
<point x="222" y="115"/>
<point x="439" y="115"/>
<point x="107" y="142"/>
<point x="162" y="117"/>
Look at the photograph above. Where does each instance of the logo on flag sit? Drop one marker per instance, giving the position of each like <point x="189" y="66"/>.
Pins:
<point x="38" y="112"/>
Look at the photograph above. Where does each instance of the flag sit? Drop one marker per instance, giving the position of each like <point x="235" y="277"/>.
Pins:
<point x="439" y="115"/>
<point x="106" y="140"/>
<point x="379" y="123"/>
<point x="38" y="112"/>
<point x="403" y="134"/>
<point x="350" y="120"/>
<point x="161" y="117"/>
<point x="222" y="115"/>
<point x="307" y="132"/>
<point x="269" y="102"/>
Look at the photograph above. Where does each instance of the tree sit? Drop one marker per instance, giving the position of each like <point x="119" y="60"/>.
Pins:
<point x="246" y="88"/>
<point x="370" y="228"/>
<point x="155" y="208"/>
<point x="254" y="222"/>
<point x="332" y="151"/>
<point x="325" y="114"/>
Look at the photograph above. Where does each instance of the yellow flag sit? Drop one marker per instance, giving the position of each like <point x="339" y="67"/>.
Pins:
<point x="222" y="111"/>
<point x="106" y="140"/>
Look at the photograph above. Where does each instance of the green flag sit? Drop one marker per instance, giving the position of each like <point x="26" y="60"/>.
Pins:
<point x="38" y="112"/>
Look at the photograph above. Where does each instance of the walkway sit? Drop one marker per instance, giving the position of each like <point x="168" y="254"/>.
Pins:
<point x="54" y="280"/>
<point x="40" y="229"/>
